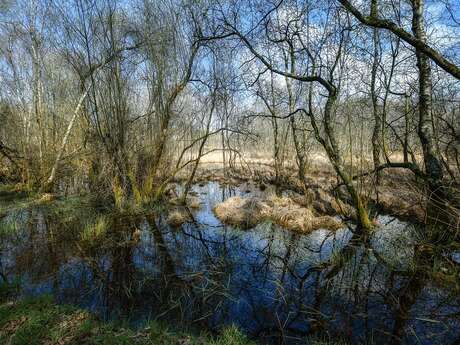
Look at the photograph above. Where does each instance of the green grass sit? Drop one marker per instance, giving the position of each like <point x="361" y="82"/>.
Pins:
<point x="95" y="231"/>
<point x="40" y="321"/>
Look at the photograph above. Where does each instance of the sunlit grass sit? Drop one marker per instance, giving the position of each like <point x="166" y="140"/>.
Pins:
<point x="95" y="230"/>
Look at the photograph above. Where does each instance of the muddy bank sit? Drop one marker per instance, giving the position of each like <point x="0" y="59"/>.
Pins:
<point x="400" y="196"/>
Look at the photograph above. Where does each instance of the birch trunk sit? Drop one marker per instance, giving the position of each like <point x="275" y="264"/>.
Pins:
<point x="50" y="182"/>
<point x="433" y="164"/>
<point x="377" y="132"/>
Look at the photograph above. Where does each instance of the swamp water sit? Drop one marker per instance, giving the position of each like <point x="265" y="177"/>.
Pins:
<point x="276" y="285"/>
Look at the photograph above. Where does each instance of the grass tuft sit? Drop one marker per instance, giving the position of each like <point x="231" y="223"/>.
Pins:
<point x="178" y="216"/>
<point x="95" y="231"/>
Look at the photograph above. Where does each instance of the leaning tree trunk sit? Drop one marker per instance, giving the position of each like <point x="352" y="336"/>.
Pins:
<point x="331" y="147"/>
<point x="49" y="184"/>
<point x="189" y="182"/>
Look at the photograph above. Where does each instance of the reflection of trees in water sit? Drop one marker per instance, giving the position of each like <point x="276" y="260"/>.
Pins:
<point x="352" y="294"/>
<point x="121" y="285"/>
<point x="407" y="294"/>
<point x="200" y="274"/>
<point x="274" y="283"/>
<point x="41" y="246"/>
<point x="353" y="291"/>
<point x="430" y="275"/>
<point x="297" y="295"/>
<point x="171" y="288"/>
<point x="375" y="299"/>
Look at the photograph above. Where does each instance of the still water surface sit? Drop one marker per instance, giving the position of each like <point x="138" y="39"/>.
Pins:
<point x="276" y="285"/>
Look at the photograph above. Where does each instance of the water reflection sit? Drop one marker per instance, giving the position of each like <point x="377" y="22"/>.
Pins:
<point x="277" y="285"/>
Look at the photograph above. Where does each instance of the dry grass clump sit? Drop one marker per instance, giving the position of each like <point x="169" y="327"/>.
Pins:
<point x="326" y="222"/>
<point x="248" y="212"/>
<point x="47" y="197"/>
<point x="178" y="216"/>
<point x="175" y="201"/>
<point x="69" y="326"/>
<point x="241" y="212"/>
<point x="290" y="215"/>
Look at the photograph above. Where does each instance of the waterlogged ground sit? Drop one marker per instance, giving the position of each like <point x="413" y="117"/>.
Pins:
<point x="276" y="285"/>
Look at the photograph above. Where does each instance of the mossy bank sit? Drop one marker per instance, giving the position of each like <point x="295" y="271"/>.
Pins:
<point x="40" y="321"/>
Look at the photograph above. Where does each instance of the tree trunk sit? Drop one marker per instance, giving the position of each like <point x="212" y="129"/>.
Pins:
<point x="406" y="129"/>
<point x="189" y="182"/>
<point x="330" y="145"/>
<point x="334" y="155"/>
<point x="433" y="164"/>
<point x="48" y="186"/>
<point x="377" y="132"/>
